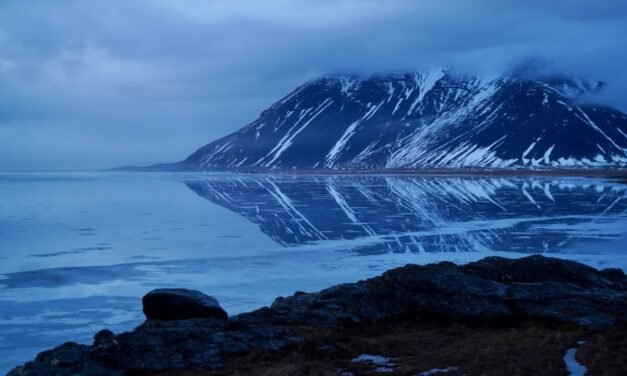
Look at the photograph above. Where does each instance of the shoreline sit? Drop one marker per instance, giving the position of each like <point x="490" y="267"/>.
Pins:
<point x="514" y="316"/>
<point x="617" y="172"/>
<point x="459" y="172"/>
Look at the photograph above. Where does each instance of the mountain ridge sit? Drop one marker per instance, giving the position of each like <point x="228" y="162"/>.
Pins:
<point x="434" y="119"/>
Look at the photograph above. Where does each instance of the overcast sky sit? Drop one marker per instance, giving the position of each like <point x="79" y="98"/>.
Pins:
<point x="97" y="84"/>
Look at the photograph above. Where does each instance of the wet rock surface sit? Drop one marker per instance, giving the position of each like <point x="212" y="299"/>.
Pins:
<point x="493" y="290"/>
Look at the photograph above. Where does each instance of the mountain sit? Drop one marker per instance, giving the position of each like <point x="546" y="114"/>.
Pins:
<point x="426" y="120"/>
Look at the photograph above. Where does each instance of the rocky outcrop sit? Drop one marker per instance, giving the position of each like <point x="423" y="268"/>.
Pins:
<point x="493" y="290"/>
<point x="536" y="269"/>
<point x="181" y="304"/>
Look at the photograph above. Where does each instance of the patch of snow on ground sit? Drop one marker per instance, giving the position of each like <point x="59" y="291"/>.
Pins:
<point x="383" y="364"/>
<point x="435" y="371"/>
<point x="574" y="368"/>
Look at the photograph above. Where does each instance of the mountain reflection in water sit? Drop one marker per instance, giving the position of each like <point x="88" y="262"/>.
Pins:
<point x="403" y="214"/>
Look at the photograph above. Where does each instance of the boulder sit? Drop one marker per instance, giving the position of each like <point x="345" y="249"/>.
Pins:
<point x="537" y="269"/>
<point x="181" y="304"/>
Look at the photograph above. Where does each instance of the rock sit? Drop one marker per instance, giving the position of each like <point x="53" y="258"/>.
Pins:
<point x="438" y="290"/>
<point x="196" y="343"/>
<point x="67" y="355"/>
<point x="181" y="304"/>
<point x="615" y="275"/>
<point x="104" y="336"/>
<point x="566" y="303"/>
<point x="538" y="268"/>
<point x="492" y="290"/>
<point x="104" y="345"/>
<point x="68" y="359"/>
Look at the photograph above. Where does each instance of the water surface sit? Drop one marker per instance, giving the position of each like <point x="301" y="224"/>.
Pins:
<point x="77" y="251"/>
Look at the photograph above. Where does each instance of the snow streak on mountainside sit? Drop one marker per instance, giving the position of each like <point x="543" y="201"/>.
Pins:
<point x="426" y="120"/>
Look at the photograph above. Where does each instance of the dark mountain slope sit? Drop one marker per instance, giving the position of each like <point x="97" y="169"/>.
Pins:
<point x="430" y="120"/>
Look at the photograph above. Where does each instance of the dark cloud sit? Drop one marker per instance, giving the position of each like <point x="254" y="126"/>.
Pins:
<point x="94" y="84"/>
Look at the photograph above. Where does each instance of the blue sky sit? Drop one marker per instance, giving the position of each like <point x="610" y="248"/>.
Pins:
<point x="97" y="84"/>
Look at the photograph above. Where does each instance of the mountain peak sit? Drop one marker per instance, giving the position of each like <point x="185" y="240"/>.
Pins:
<point x="429" y="119"/>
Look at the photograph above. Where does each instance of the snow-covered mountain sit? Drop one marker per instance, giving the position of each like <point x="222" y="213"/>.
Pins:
<point x="426" y="120"/>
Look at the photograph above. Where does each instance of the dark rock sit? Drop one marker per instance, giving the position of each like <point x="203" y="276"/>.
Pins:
<point x="69" y="359"/>
<point x="566" y="303"/>
<point x="494" y="289"/>
<point x="105" y="344"/>
<point x="181" y="304"/>
<point x="538" y="268"/>
<point x="432" y="290"/>
<point x="615" y="275"/>
<point x="67" y="355"/>
<point x="103" y="336"/>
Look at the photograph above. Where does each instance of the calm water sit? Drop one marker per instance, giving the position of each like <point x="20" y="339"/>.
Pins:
<point x="77" y="251"/>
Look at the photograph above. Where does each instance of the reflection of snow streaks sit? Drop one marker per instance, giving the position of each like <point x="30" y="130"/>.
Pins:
<point x="403" y="214"/>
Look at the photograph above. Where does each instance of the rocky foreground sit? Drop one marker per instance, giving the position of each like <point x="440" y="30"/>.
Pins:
<point x="531" y="316"/>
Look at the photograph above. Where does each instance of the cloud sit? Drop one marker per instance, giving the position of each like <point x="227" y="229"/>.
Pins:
<point x="98" y="84"/>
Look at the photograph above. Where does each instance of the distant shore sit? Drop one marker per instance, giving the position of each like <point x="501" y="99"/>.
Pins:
<point x="566" y="172"/>
<point x="458" y="172"/>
